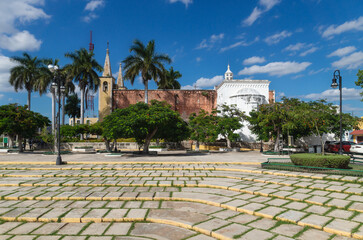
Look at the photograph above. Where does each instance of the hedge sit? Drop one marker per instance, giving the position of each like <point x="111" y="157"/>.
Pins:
<point x="318" y="160"/>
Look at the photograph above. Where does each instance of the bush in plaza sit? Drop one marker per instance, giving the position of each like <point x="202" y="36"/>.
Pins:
<point x="318" y="160"/>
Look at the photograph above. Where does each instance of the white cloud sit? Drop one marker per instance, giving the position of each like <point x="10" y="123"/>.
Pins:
<point x="205" y="82"/>
<point x="353" y="61"/>
<point x="13" y="14"/>
<point x="198" y="59"/>
<point x="332" y="30"/>
<point x="209" y="82"/>
<point x="21" y="41"/>
<point x="266" y="5"/>
<point x="295" y="47"/>
<point x="91" y="7"/>
<point x="189" y="87"/>
<point x="309" y="51"/>
<point x="239" y="43"/>
<point x="276" y="68"/>
<point x="256" y="13"/>
<point x="276" y="38"/>
<point x="333" y="94"/>
<point x="5" y="66"/>
<point x="185" y="2"/>
<point x="89" y="17"/>
<point x="211" y="41"/>
<point x="1" y="96"/>
<point x="234" y="45"/>
<point x="342" y="51"/>
<point x="253" y="60"/>
<point x="94" y="4"/>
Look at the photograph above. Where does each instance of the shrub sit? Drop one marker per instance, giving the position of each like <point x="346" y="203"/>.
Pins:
<point x="318" y="160"/>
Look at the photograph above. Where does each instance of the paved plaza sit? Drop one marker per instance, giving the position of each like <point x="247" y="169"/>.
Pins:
<point x="208" y="196"/>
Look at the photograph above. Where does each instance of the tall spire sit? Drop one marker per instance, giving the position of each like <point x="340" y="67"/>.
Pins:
<point x="120" y="80"/>
<point x="107" y="67"/>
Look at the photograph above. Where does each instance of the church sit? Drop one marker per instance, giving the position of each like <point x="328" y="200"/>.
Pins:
<point x="245" y="94"/>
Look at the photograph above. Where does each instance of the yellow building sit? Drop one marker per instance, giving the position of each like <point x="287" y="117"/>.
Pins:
<point x="88" y="121"/>
<point x="358" y="134"/>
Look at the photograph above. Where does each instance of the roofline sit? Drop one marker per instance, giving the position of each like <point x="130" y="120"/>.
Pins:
<point x="243" y="80"/>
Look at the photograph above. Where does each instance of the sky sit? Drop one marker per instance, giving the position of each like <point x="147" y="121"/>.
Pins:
<point x="296" y="45"/>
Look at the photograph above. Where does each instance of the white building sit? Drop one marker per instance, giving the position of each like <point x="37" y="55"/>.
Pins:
<point x="246" y="94"/>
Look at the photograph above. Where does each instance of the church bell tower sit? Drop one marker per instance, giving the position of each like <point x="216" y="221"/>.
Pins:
<point x="107" y="83"/>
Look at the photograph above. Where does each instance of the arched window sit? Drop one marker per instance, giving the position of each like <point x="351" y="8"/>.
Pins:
<point x="105" y="86"/>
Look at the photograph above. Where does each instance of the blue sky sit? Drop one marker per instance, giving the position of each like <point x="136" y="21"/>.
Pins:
<point x="296" y="45"/>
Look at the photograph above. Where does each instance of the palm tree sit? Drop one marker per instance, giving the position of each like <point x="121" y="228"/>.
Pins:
<point x="26" y="74"/>
<point x="169" y="81"/>
<point x="83" y="70"/>
<point x="45" y="80"/>
<point x="145" y="61"/>
<point x="72" y="108"/>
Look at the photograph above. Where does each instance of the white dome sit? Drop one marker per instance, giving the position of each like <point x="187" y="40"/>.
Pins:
<point x="247" y="91"/>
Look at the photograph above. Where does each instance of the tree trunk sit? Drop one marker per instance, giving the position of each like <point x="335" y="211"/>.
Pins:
<point x="63" y="114"/>
<point x="115" y="144"/>
<point x="276" y="148"/>
<point x="82" y="106"/>
<point x="107" y="144"/>
<point x="20" y="144"/>
<point x="82" y="109"/>
<point x="146" y="91"/>
<point x="74" y="121"/>
<point x="197" y="146"/>
<point x="29" y="95"/>
<point x="148" y="140"/>
<point x="228" y="142"/>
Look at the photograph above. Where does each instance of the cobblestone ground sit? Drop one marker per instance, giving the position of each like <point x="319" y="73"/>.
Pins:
<point x="171" y="200"/>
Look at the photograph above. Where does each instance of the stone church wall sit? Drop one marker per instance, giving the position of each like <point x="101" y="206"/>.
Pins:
<point x="183" y="101"/>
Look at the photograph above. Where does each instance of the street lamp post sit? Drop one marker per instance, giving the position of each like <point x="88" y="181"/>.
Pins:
<point x="336" y="76"/>
<point x="59" y="90"/>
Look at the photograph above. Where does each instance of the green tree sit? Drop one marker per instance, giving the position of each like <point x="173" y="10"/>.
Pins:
<point x="68" y="132"/>
<point x="203" y="127"/>
<point x="18" y="121"/>
<point x="229" y="119"/>
<point x="72" y="108"/>
<point x="144" y="122"/>
<point x="359" y="81"/>
<point x="169" y="80"/>
<point x="145" y="61"/>
<point x="321" y="117"/>
<point x="26" y="74"/>
<point x="83" y="71"/>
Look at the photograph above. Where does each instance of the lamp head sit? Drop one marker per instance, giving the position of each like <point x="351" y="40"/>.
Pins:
<point x="334" y="83"/>
<point x="63" y="89"/>
<point x="53" y="68"/>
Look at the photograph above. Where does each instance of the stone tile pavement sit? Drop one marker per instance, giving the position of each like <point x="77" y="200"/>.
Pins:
<point x="156" y="198"/>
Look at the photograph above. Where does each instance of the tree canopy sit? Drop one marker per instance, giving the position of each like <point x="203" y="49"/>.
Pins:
<point x="298" y="118"/>
<point x="170" y="79"/>
<point x="83" y="70"/>
<point x="229" y="119"/>
<point x="145" y="122"/>
<point x="203" y="127"/>
<point x="359" y="81"/>
<point x="26" y="74"/>
<point x="17" y="120"/>
<point x="145" y="61"/>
